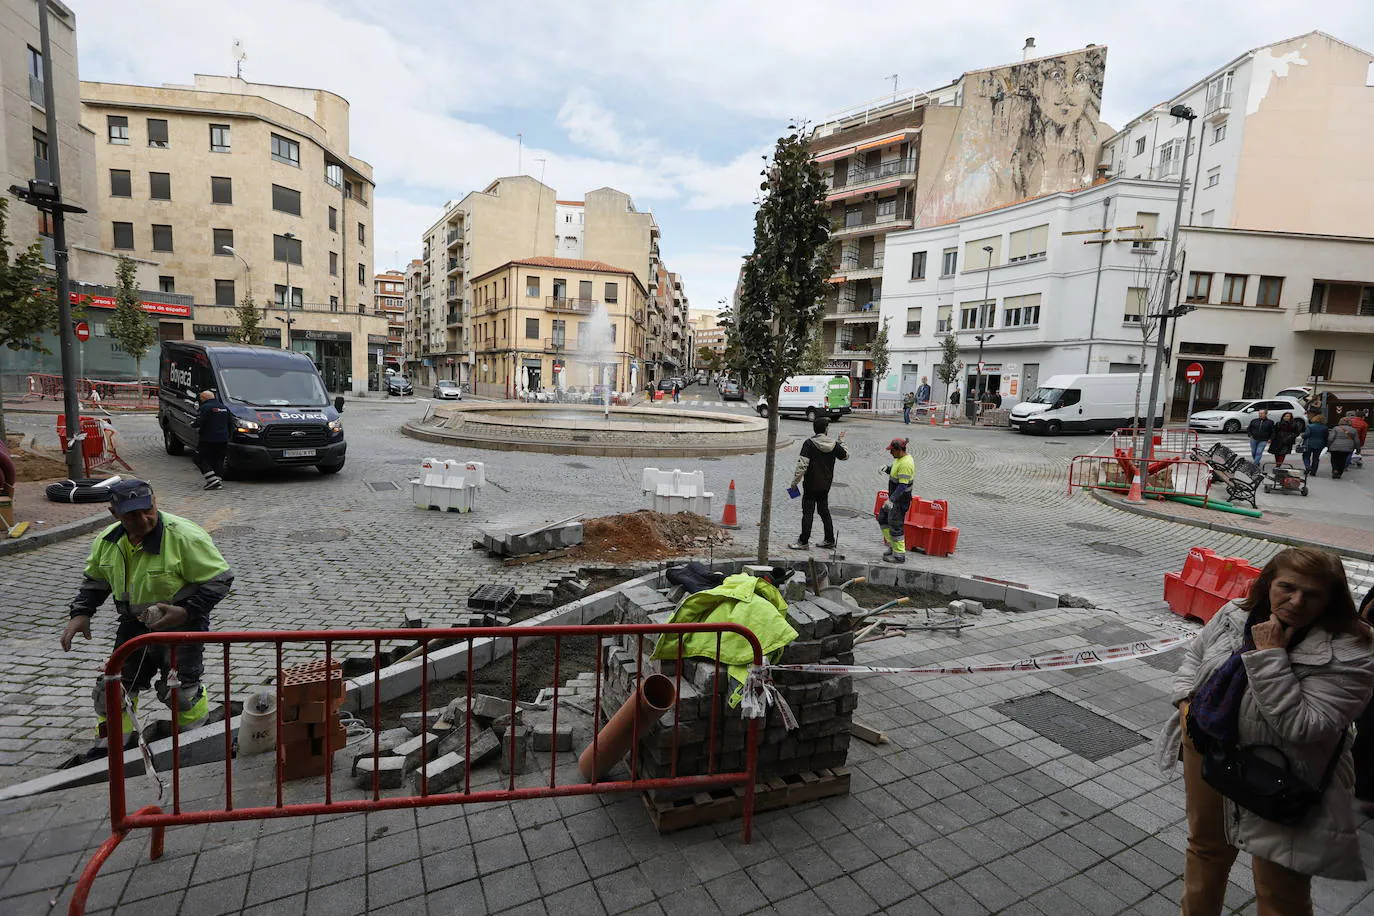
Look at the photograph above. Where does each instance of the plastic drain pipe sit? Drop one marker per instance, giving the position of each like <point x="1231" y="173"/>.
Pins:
<point x="656" y="695"/>
<point x="1215" y="504"/>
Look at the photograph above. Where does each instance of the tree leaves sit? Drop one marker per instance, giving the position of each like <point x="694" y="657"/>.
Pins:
<point x="28" y="303"/>
<point x="129" y="324"/>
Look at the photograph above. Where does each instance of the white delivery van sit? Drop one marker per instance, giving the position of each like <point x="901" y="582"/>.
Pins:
<point x="811" y="396"/>
<point x="1068" y="402"/>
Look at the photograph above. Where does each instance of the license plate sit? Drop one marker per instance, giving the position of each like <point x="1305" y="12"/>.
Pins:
<point x="298" y="453"/>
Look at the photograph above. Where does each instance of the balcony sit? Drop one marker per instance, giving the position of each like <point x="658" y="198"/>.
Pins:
<point x="863" y="180"/>
<point x="850" y="226"/>
<point x="1218" y="106"/>
<point x="454" y="265"/>
<point x="853" y="267"/>
<point x="853" y="349"/>
<point x="454" y="317"/>
<point x="456" y="234"/>
<point x="1321" y="321"/>
<point x="576" y="306"/>
<point x="556" y="344"/>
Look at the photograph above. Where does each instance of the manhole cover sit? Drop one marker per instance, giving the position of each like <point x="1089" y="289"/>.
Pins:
<point x="318" y="536"/>
<point x="1056" y="442"/>
<point x="995" y="496"/>
<point x="847" y="512"/>
<point x="381" y="486"/>
<point x="1070" y="726"/>
<point x="1115" y="550"/>
<point x="231" y="531"/>
<point x="1164" y="661"/>
<point x="577" y="464"/>
<point x="1087" y="526"/>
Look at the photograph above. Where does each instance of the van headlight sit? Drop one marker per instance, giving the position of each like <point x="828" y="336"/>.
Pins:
<point x="247" y="426"/>
<point x="336" y="426"/>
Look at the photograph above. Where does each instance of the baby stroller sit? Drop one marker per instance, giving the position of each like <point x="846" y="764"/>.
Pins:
<point x="1286" y="480"/>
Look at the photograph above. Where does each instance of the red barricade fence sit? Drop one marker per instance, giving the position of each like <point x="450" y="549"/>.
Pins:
<point x="1207" y="582"/>
<point x="97" y="440"/>
<point x="1167" y="477"/>
<point x="1175" y="440"/>
<point x="110" y="394"/>
<point x="460" y="791"/>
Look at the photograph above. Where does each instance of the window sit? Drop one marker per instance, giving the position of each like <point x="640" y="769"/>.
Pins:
<point x="913" y="322"/>
<point x="532" y="328"/>
<point x="1233" y="289"/>
<point x="1028" y="244"/>
<point x="159" y="186"/>
<point x="1202" y="349"/>
<point x="362" y="274"/>
<point x="333" y="303"/>
<point x="531" y="286"/>
<point x="334" y="225"/>
<point x="1199" y="286"/>
<point x="1139" y="145"/>
<point x="1170" y="159"/>
<point x="162" y="238"/>
<point x="219" y="138"/>
<point x="944" y="319"/>
<point x="287" y="151"/>
<point x="949" y="262"/>
<point x="286" y="248"/>
<point x="40" y="156"/>
<point x="123" y="235"/>
<point x="584" y="289"/>
<point x="286" y="200"/>
<point x="333" y="174"/>
<point x="157" y="133"/>
<point x="1270" y="288"/>
<point x="1021" y="311"/>
<point x="333" y="263"/>
<point x="36" y="77"/>
<point x="613" y="333"/>
<point x="1218" y="133"/>
<point x="221" y="190"/>
<point x="975" y="258"/>
<point x="166" y="284"/>
<point x="1219" y="92"/>
<point x="974" y="315"/>
<point x="1323" y="361"/>
<point x="1148" y="231"/>
<point x="117" y="127"/>
<point x="1214" y="176"/>
<point x="224" y="238"/>
<point x="1136" y="297"/>
<point x="918" y="265"/>
<point x="612" y="292"/>
<point x="1207" y="218"/>
<point x="279" y="296"/>
<point x="121" y="183"/>
<point x="362" y="234"/>
<point x="224" y="292"/>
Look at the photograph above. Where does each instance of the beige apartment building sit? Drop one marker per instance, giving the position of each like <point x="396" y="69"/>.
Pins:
<point x="389" y="301"/>
<point x="244" y="189"/>
<point x="546" y="322"/>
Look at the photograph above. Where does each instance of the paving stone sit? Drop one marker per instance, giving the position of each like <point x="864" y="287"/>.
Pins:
<point x="346" y="898"/>
<point x="509" y="887"/>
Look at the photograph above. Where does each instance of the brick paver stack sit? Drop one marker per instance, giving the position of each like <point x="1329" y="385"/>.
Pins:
<point x="310" y="698"/>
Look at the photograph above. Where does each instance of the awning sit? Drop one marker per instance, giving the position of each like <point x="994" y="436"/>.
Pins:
<point x="833" y="155"/>
<point x="860" y="317"/>
<point x="888" y="140"/>
<point x="862" y="189"/>
<point x="837" y="280"/>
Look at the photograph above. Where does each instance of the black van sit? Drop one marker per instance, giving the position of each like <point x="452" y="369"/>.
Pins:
<point x="282" y="413"/>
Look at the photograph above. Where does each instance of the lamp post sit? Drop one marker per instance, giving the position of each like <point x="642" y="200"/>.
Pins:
<point x="982" y="339"/>
<point x="1165" y="313"/>
<point x="972" y="404"/>
<point x="289" y="320"/>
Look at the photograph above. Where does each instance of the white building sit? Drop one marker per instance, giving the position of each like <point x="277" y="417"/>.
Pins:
<point x="1057" y="294"/>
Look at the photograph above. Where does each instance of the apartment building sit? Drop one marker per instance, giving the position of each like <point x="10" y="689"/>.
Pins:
<point x="549" y="322"/>
<point x="242" y="189"/>
<point x="1281" y="140"/>
<point x="989" y="138"/>
<point x="1065" y="283"/>
<point x="416" y="319"/>
<point x="389" y="301"/>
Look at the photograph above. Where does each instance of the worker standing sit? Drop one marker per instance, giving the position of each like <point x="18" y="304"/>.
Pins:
<point x="165" y="574"/>
<point x="901" y="474"/>
<point x="212" y="423"/>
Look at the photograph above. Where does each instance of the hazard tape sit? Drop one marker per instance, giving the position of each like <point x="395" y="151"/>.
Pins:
<point x="1077" y="658"/>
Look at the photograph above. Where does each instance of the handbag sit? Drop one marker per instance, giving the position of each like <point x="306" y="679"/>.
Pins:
<point x="1258" y="777"/>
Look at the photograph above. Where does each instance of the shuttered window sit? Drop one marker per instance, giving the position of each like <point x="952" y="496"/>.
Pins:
<point x="1026" y="244"/>
<point x="975" y="258"/>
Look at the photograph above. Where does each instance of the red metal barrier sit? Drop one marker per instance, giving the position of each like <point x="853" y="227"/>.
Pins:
<point x="97" y="440"/>
<point x="154" y="818"/>
<point x="110" y="394"/>
<point x="1176" y="440"/>
<point x="1107" y="472"/>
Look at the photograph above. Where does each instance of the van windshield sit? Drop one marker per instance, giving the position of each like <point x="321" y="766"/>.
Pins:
<point x="272" y="387"/>
<point x="1045" y="396"/>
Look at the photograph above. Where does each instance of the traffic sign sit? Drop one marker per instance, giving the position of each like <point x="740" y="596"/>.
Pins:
<point x="1193" y="373"/>
<point x="83" y="331"/>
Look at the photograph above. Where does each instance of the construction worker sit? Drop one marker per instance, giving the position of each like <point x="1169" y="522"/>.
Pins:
<point x="213" y="423"/>
<point x="901" y="473"/>
<point x="165" y="574"/>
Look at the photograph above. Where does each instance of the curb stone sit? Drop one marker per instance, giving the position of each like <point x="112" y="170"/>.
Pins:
<point x="54" y="534"/>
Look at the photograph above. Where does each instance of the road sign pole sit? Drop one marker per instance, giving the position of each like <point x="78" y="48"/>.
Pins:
<point x="1194" y="375"/>
<point x="1192" y="392"/>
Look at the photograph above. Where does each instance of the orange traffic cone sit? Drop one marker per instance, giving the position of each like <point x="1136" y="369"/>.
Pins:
<point x="728" y="518"/>
<point x="1137" y="494"/>
<point x="932" y="418"/>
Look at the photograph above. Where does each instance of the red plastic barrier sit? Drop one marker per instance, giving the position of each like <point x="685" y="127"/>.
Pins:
<point x="926" y="528"/>
<point x="879" y="502"/>
<point x="1207" y="583"/>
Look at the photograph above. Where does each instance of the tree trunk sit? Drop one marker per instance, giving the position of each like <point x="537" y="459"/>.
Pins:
<point x="769" y="460"/>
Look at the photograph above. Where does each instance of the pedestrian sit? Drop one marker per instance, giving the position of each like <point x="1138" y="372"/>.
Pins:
<point x="165" y="573"/>
<point x="1363" y="747"/>
<point x="901" y="474"/>
<point x="908" y="402"/>
<point x="1286" y="433"/>
<point x="954" y="398"/>
<point x="816" y="472"/>
<point x="1260" y="431"/>
<point x="212" y="425"/>
<point x="677" y="393"/>
<point x="923" y="391"/>
<point x="1360" y="423"/>
<point x="1341" y="442"/>
<point x="1313" y="442"/>
<point x="1278" y="676"/>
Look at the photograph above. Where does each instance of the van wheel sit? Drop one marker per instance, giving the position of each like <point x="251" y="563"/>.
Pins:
<point x="330" y="468"/>
<point x="1053" y="427"/>
<point x="171" y="443"/>
<point x="811" y="415"/>
<point x="762" y="409"/>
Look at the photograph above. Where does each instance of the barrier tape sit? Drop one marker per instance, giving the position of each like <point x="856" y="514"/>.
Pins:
<point x="1078" y="658"/>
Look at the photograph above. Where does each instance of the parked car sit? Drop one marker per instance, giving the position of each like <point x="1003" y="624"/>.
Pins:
<point x="668" y="384"/>
<point x="447" y="389"/>
<point x="1235" y="416"/>
<point x="400" y="385"/>
<point x="730" y="390"/>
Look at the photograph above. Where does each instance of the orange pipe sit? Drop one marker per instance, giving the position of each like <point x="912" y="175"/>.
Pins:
<point x="656" y="695"/>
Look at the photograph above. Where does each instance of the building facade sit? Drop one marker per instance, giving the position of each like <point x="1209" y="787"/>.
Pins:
<point x="244" y="190"/>
<point x="545" y="322"/>
<point x="389" y="301"/>
<point x="1281" y="141"/>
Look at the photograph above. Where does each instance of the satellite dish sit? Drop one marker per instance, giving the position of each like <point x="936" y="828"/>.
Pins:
<point x="240" y="55"/>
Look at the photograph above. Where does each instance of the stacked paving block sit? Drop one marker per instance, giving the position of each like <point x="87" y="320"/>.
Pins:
<point x="311" y="732"/>
<point x="523" y="543"/>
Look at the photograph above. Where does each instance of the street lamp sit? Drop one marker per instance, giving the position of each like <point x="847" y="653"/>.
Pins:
<point x="982" y="339"/>
<point x="1165" y="313"/>
<point x="289" y="320"/>
<point x="972" y="404"/>
<point x="248" y="269"/>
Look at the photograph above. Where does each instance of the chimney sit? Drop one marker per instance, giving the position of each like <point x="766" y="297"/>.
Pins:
<point x="1101" y="174"/>
<point x="1026" y="51"/>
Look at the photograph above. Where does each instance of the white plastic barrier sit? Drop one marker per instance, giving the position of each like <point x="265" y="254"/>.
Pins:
<point x="450" y="486"/>
<point x="676" y="491"/>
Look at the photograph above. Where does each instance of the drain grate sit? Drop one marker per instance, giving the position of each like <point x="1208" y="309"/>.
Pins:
<point x="232" y="531"/>
<point x="1115" y="550"/>
<point x="381" y="486"/>
<point x="1070" y="726"/>
<point x="1087" y="526"/>
<point x="1165" y="661"/>
<point x="998" y="497"/>
<point x="318" y="536"/>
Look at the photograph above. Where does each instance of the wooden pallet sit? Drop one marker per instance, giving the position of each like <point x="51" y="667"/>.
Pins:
<point x="727" y="803"/>
<point x="532" y="557"/>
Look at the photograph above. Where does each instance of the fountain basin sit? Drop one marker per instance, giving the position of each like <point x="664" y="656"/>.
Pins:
<point x="568" y="429"/>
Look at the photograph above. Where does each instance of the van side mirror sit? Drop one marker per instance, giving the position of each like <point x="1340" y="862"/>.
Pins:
<point x="339" y="403"/>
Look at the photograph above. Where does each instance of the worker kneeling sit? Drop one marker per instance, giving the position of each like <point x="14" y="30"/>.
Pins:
<point x="901" y="474"/>
<point x="165" y="573"/>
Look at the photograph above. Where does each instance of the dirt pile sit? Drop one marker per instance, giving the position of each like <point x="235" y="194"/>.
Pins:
<point x="30" y="466"/>
<point x="646" y="535"/>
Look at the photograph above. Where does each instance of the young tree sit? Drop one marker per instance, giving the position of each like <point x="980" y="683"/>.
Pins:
<point x="882" y="358"/>
<point x="813" y="358"/>
<point x="1148" y="296"/>
<point x="949" y="367"/>
<point x="129" y="325"/>
<point x="248" y="331"/>
<point x="783" y="282"/>
<point x="28" y="307"/>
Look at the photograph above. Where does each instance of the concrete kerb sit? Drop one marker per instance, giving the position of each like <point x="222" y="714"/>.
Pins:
<point x="1225" y="528"/>
<point x="53" y="535"/>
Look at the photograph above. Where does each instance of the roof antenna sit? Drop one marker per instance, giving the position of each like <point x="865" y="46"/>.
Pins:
<point x="240" y="55"/>
<point x="1029" y="47"/>
<point x="893" y="77"/>
<point x="520" y="154"/>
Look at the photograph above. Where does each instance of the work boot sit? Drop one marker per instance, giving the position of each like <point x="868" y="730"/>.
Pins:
<point x="826" y="545"/>
<point x="890" y="557"/>
<point x="214" y="484"/>
<point x="887" y="554"/>
<point x="799" y="545"/>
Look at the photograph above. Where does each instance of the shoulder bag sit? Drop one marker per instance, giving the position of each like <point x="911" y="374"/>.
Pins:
<point x="1258" y="777"/>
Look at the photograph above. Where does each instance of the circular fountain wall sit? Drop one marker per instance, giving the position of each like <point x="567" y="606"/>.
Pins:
<point x="565" y="429"/>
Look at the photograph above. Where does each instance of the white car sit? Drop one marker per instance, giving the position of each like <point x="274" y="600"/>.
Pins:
<point x="446" y="389"/>
<point x="1235" y="416"/>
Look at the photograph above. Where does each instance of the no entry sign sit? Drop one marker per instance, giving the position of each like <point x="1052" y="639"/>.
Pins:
<point x="83" y="331"/>
<point x="1193" y="373"/>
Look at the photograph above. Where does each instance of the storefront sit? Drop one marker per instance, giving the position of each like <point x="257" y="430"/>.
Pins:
<point x="271" y="337"/>
<point x="332" y="353"/>
<point x="376" y="359"/>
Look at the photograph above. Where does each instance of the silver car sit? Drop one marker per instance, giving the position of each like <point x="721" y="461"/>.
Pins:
<point x="447" y="389"/>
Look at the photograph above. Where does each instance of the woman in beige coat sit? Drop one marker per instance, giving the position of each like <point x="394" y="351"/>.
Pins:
<point x="1289" y="666"/>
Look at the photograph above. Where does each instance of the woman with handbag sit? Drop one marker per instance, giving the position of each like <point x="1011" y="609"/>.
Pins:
<point x="1266" y="695"/>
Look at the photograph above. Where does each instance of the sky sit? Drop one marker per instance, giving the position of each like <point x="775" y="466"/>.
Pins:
<point x="675" y="103"/>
